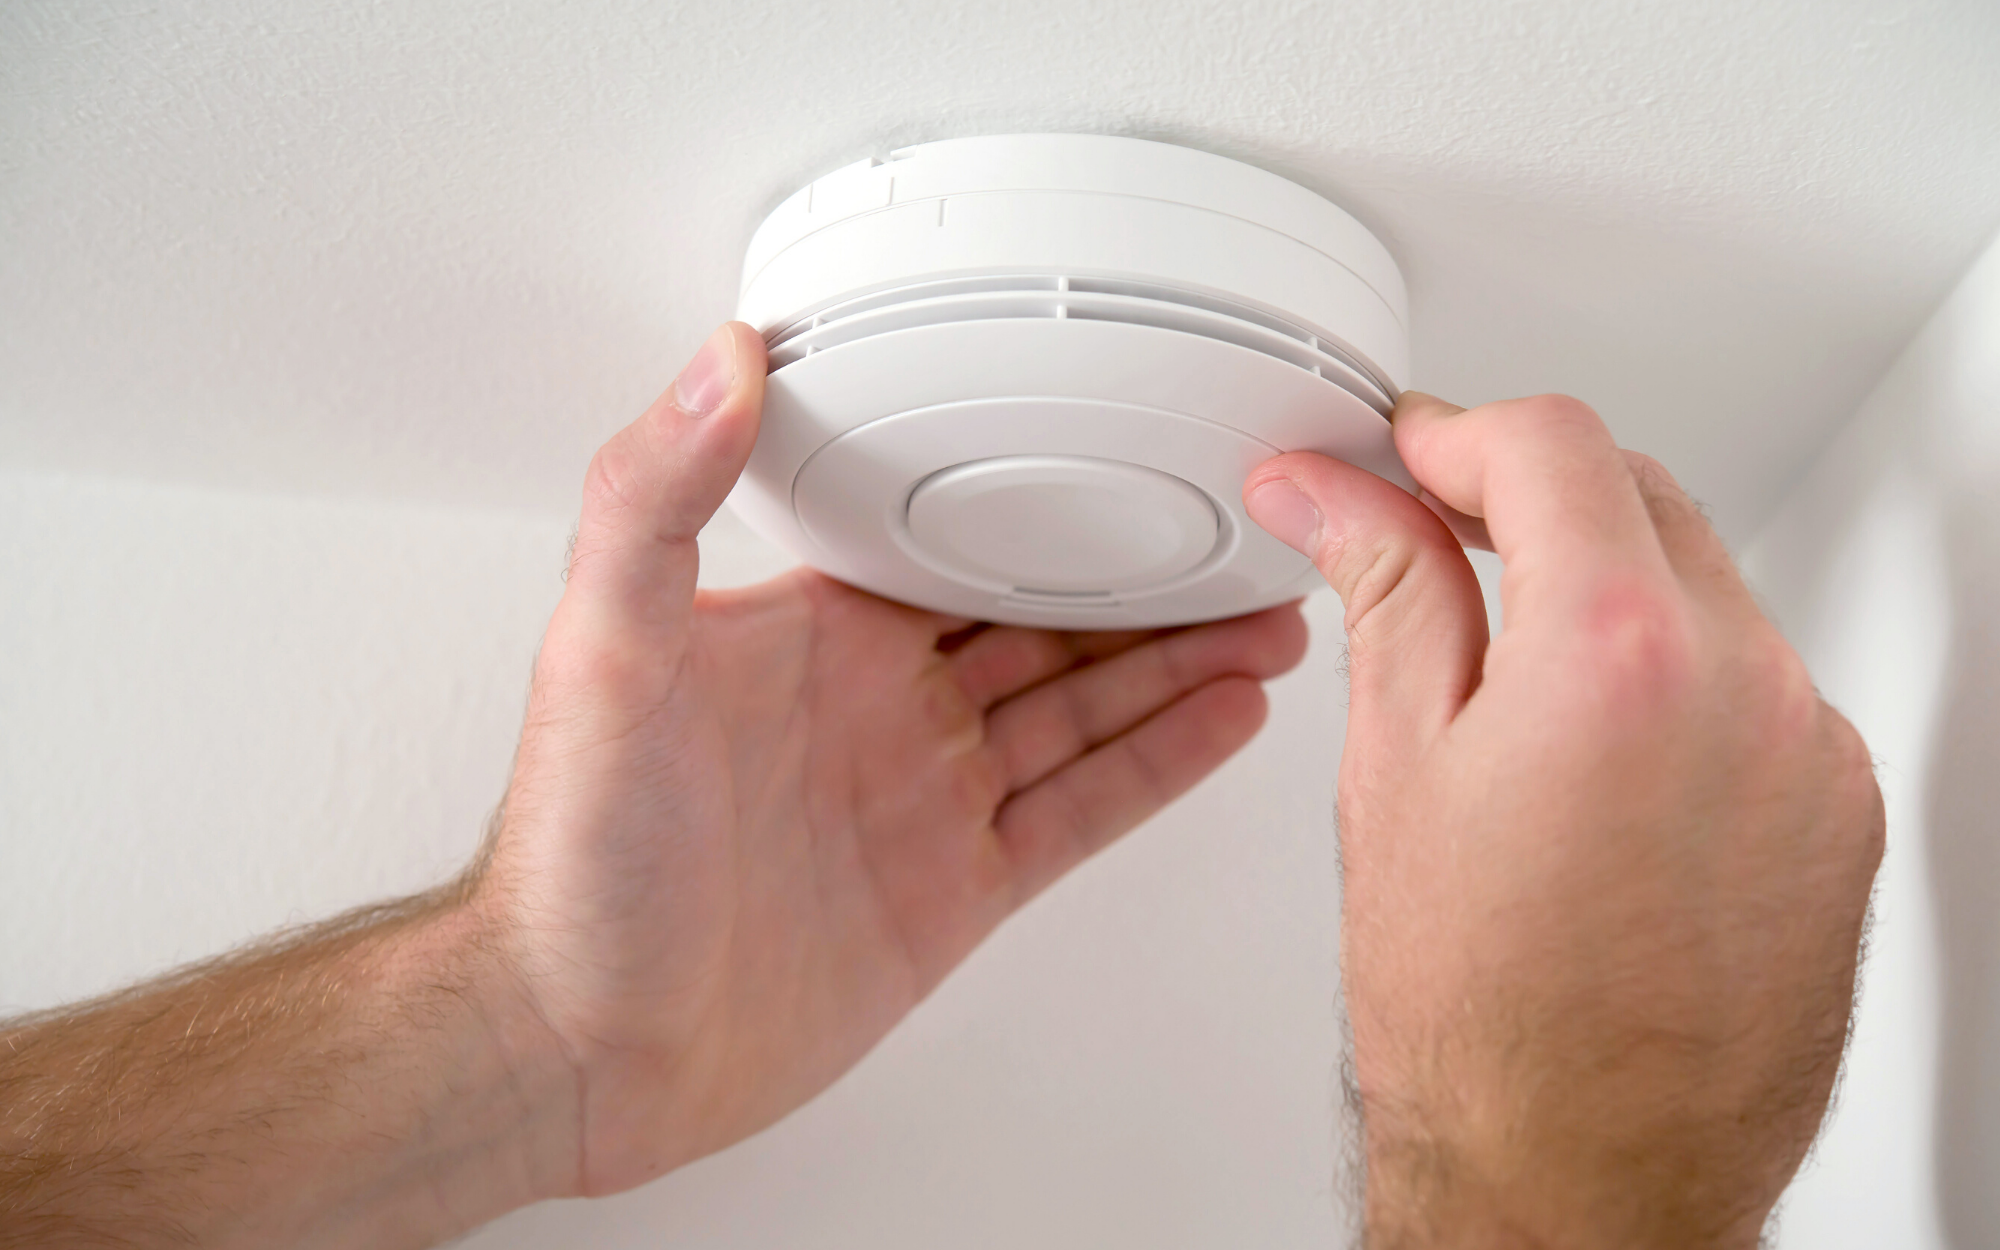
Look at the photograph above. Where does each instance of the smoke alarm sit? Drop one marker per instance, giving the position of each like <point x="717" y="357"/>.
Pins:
<point x="1022" y="378"/>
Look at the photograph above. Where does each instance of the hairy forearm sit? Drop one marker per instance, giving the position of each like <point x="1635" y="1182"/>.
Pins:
<point x="1475" y="1155"/>
<point x="374" y="1081"/>
<point x="1424" y="1194"/>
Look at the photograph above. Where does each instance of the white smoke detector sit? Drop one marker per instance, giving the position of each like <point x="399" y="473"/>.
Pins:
<point x="1022" y="378"/>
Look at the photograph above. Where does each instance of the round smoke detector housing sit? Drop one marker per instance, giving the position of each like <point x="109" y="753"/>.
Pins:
<point x="1022" y="378"/>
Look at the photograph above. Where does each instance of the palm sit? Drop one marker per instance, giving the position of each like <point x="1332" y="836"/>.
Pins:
<point x="749" y="830"/>
<point x="865" y="791"/>
<point x="826" y="811"/>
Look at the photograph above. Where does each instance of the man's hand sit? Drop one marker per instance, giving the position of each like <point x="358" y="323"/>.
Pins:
<point x="747" y="831"/>
<point x="1605" y="880"/>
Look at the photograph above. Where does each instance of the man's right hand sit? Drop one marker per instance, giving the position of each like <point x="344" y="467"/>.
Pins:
<point x="1606" y="878"/>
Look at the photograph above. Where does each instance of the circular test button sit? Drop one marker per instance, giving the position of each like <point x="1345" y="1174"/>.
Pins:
<point x="1065" y="525"/>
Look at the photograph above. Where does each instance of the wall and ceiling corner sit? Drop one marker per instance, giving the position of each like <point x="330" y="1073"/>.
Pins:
<point x="1883" y="567"/>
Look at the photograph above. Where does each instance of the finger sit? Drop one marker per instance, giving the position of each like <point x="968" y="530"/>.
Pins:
<point x="1694" y="550"/>
<point x="1554" y="490"/>
<point x="954" y="632"/>
<point x="947" y="631"/>
<point x="1002" y="661"/>
<point x="1470" y="531"/>
<point x="657" y="482"/>
<point x="1036" y="733"/>
<point x="1050" y="827"/>
<point x="1416" y="623"/>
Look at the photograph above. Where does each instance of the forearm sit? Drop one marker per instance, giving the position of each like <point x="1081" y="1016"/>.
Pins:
<point x="378" y="1081"/>
<point x="1466" y="1151"/>
<point x="1426" y="1194"/>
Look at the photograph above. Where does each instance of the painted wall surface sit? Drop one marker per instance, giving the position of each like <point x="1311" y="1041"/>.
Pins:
<point x="222" y="714"/>
<point x="1883" y="567"/>
<point x="438" y="252"/>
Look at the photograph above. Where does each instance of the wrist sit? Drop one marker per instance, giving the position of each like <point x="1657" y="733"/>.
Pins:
<point x="503" y="1115"/>
<point x="1446" y="1170"/>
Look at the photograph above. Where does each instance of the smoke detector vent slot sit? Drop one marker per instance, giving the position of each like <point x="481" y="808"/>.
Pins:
<point x="1087" y="299"/>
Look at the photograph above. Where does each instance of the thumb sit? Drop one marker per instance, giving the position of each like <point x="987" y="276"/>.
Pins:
<point x="1416" y="624"/>
<point x="657" y="482"/>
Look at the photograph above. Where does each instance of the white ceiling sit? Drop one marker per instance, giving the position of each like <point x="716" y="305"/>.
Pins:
<point x="439" y="251"/>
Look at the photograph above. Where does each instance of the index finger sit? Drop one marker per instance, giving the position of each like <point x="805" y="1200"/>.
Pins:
<point x="1553" y="488"/>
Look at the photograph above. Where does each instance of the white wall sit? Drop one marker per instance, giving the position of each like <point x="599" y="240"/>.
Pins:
<point x="220" y="714"/>
<point x="1883" y="567"/>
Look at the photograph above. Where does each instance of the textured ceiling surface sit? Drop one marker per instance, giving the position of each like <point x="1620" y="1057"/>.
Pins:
<point x="438" y="252"/>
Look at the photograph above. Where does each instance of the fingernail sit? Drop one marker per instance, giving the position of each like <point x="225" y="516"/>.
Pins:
<point x="705" y="383"/>
<point x="1420" y="399"/>
<point x="1284" y="510"/>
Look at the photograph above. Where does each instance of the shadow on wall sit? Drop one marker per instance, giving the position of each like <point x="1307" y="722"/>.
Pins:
<point x="1883" y="567"/>
<point x="1962" y="796"/>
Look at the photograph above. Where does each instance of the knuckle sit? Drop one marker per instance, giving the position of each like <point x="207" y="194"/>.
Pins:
<point x="632" y="470"/>
<point x="1558" y="413"/>
<point x="977" y="789"/>
<point x="1647" y="469"/>
<point x="1666" y="500"/>
<point x="1853" y="762"/>
<point x="1155" y="782"/>
<point x="610" y="484"/>
<point x="1638" y="645"/>
<point x="1366" y="594"/>
<point x="1771" y="678"/>
<point x="1875" y="834"/>
<point x="1181" y="662"/>
<point x="1857" y="790"/>
<point x="953" y="719"/>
